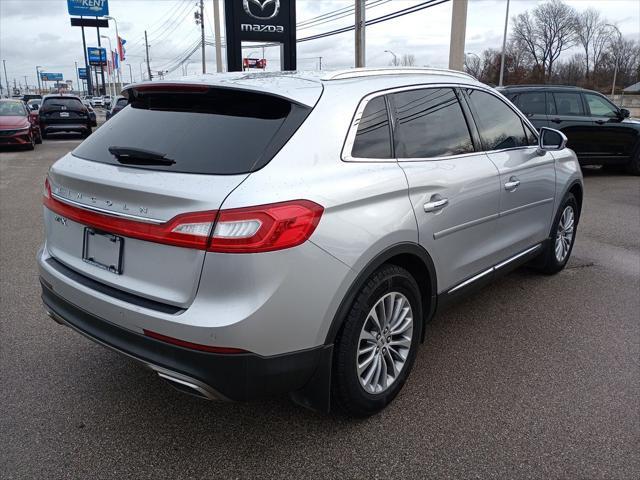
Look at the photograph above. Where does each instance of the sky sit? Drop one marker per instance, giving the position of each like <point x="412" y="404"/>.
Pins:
<point x="38" y="32"/>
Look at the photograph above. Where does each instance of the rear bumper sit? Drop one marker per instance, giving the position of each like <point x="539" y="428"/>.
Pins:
<point x="237" y="377"/>
<point x="72" y="127"/>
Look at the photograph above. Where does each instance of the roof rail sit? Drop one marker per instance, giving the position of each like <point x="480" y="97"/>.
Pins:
<point x="539" y="85"/>
<point x="374" y="71"/>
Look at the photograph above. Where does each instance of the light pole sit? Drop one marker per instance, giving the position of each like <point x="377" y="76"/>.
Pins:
<point x="130" y="73"/>
<point x="111" y="82"/>
<point x="117" y="48"/>
<point x="504" y="45"/>
<point x="616" y="59"/>
<point x="141" y="73"/>
<point x="77" y="76"/>
<point x="38" y="77"/>
<point x="6" y="79"/>
<point x="395" y="58"/>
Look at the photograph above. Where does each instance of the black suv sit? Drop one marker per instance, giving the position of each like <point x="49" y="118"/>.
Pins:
<point x="64" y="113"/>
<point x="598" y="131"/>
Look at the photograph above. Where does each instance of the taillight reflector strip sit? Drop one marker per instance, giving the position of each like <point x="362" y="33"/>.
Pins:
<point x="193" y="346"/>
<point x="262" y="228"/>
<point x="187" y="230"/>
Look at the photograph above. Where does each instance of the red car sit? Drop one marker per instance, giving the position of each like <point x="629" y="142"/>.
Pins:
<point x="18" y="126"/>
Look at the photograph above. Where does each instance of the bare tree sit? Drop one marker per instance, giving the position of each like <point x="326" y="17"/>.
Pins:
<point x="546" y="33"/>
<point x="408" y="60"/>
<point x="473" y="65"/>
<point x="588" y="23"/>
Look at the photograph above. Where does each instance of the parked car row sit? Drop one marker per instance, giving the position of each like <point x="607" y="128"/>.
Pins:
<point x="597" y="130"/>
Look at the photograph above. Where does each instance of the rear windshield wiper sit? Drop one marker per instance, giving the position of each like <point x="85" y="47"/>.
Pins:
<point x="138" y="156"/>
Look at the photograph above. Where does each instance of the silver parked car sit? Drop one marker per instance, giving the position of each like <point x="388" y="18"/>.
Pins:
<point x="246" y="235"/>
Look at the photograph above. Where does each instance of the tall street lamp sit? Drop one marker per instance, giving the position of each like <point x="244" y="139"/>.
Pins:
<point x="117" y="45"/>
<point x="111" y="85"/>
<point x="395" y="58"/>
<point x="504" y="45"/>
<point x="130" y="73"/>
<point x="38" y="77"/>
<point x="616" y="59"/>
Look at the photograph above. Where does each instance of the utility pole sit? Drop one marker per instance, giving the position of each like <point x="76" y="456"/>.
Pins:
<point x="458" y="31"/>
<point x="6" y="79"/>
<point x="146" y="45"/>
<point x="199" y="17"/>
<point x="504" y="45"/>
<point x="26" y="85"/>
<point x="360" y="33"/>
<point x="216" y="35"/>
<point x="320" y="63"/>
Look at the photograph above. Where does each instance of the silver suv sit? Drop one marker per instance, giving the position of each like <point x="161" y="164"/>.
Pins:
<point x="246" y="235"/>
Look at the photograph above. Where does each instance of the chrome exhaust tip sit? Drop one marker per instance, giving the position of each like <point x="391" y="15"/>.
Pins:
<point x="187" y="385"/>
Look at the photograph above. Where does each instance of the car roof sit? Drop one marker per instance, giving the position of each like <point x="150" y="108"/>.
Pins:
<point x="305" y="87"/>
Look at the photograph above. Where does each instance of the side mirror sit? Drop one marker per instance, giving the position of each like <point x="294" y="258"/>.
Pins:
<point x="624" y="113"/>
<point x="551" y="140"/>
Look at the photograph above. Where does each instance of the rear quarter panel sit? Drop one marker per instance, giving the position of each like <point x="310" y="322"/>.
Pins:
<point x="367" y="208"/>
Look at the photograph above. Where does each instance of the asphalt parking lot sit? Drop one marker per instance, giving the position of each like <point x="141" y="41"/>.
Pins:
<point x="534" y="377"/>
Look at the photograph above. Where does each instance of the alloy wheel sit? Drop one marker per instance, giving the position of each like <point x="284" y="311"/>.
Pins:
<point x="564" y="235"/>
<point x="385" y="342"/>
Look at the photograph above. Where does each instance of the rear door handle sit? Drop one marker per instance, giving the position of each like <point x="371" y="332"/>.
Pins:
<point x="600" y="122"/>
<point x="556" y="120"/>
<point x="435" y="204"/>
<point x="512" y="184"/>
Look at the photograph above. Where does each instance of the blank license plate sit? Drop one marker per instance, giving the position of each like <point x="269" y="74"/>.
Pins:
<point x="103" y="250"/>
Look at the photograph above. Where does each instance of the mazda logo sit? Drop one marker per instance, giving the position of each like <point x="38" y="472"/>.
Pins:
<point x="259" y="9"/>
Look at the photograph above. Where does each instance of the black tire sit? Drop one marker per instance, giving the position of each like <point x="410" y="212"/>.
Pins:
<point x="347" y="392"/>
<point x="548" y="262"/>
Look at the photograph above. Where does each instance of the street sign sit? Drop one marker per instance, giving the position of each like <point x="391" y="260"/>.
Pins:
<point x="254" y="63"/>
<point x="89" y="22"/>
<point x="82" y="73"/>
<point x="88" y="8"/>
<point x="50" y="77"/>
<point x="97" y="56"/>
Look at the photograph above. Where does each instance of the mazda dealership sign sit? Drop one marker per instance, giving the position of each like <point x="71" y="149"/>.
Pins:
<point x="272" y="21"/>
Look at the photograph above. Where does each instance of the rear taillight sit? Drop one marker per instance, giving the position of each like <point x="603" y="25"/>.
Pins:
<point x="265" y="228"/>
<point x="243" y="230"/>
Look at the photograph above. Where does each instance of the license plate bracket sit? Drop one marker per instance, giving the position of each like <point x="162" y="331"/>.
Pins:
<point x="103" y="250"/>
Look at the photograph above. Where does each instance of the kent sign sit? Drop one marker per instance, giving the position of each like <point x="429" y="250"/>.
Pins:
<point x="88" y="8"/>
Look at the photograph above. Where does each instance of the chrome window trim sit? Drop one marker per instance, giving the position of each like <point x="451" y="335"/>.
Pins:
<point x="353" y="127"/>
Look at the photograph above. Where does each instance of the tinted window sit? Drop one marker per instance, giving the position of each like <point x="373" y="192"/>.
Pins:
<point x="9" y="109"/>
<point x="220" y="131"/>
<point x="62" y="104"/>
<point x="373" y="139"/>
<point x="534" y="103"/>
<point x="430" y="123"/>
<point x="499" y="126"/>
<point x="600" y="107"/>
<point x="568" y="103"/>
<point x="122" y="103"/>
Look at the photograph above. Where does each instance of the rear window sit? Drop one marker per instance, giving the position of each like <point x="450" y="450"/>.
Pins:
<point x="222" y="131"/>
<point x="62" y="104"/>
<point x="373" y="138"/>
